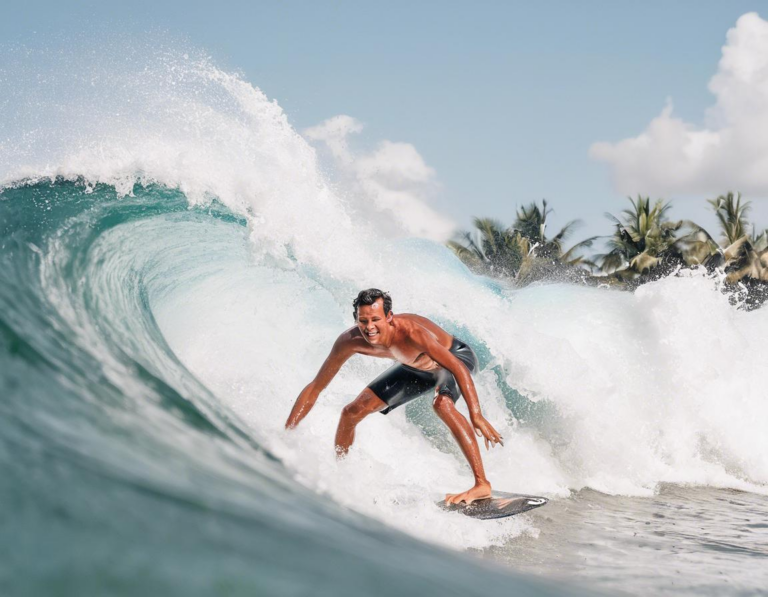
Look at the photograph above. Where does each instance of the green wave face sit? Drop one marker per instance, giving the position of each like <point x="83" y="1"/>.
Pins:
<point x="123" y="473"/>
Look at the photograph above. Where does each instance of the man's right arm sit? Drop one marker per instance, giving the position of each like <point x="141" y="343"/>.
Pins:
<point x="342" y="349"/>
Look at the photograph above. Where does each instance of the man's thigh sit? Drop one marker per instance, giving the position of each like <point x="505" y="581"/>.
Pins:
<point x="399" y="385"/>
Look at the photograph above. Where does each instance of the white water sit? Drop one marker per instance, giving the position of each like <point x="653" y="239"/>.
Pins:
<point x="644" y="388"/>
<point x="665" y="385"/>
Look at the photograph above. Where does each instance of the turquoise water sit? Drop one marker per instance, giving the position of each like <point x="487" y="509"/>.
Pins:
<point x="122" y="474"/>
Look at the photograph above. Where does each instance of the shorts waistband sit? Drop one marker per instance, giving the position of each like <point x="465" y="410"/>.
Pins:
<point x="457" y="344"/>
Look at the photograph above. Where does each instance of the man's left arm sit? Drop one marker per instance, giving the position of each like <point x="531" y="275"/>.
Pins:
<point x="447" y="359"/>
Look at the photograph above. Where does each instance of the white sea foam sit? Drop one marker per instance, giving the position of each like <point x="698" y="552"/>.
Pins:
<point x="664" y="385"/>
<point x="646" y="389"/>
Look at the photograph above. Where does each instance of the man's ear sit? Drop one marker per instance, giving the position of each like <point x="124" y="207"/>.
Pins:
<point x="389" y="317"/>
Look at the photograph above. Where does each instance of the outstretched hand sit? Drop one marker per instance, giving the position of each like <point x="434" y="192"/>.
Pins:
<point x="485" y="430"/>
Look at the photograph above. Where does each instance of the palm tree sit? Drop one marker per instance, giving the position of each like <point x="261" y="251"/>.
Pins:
<point x="493" y="250"/>
<point x="732" y="216"/>
<point x="760" y="241"/>
<point x="697" y="247"/>
<point x="642" y="238"/>
<point x="531" y="222"/>
<point x="521" y="251"/>
<point x="746" y="255"/>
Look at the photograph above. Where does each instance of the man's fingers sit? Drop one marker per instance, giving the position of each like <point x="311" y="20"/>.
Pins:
<point x="495" y="436"/>
<point x="489" y="435"/>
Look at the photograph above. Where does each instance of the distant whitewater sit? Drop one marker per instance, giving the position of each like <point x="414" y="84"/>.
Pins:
<point x="174" y="270"/>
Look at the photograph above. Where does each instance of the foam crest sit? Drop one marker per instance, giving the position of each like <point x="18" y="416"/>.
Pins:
<point x="142" y="115"/>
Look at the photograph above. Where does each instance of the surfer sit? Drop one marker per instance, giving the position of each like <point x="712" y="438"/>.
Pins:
<point x="430" y="359"/>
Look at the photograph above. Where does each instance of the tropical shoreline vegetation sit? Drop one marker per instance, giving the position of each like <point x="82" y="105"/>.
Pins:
<point x="645" y="245"/>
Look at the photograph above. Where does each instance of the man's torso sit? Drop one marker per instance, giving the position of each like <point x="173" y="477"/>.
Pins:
<point x="403" y="348"/>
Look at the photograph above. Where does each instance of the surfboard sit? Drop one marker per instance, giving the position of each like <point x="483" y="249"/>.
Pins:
<point x="499" y="505"/>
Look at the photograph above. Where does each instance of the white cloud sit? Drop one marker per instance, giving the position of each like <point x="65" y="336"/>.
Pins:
<point x="393" y="182"/>
<point x="729" y="153"/>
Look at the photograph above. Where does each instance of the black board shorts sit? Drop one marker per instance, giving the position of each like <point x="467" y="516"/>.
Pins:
<point x="400" y="383"/>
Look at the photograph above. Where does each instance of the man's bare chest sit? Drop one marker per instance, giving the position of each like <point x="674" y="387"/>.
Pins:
<point x="413" y="357"/>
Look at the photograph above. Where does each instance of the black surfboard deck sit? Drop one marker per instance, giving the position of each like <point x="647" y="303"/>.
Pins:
<point x="499" y="505"/>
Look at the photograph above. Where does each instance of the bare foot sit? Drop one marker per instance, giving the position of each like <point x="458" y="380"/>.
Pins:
<point x="478" y="492"/>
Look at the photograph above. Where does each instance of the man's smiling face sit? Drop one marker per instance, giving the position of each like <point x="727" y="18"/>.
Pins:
<point x="373" y="323"/>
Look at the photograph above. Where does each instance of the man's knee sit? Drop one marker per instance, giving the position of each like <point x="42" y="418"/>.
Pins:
<point x="443" y="403"/>
<point x="353" y="411"/>
<point x="362" y="406"/>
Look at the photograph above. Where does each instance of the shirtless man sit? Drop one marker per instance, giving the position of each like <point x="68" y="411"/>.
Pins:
<point x="430" y="359"/>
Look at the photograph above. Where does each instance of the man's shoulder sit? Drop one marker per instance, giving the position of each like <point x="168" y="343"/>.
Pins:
<point x="421" y="330"/>
<point x="411" y="320"/>
<point x="417" y="321"/>
<point x="414" y="326"/>
<point x="351" y="342"/>
<point x="350" y="339"/>
<point x="350" y="335"/>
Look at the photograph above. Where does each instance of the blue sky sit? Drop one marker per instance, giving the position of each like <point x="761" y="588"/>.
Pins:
<point x="502" y="99"/>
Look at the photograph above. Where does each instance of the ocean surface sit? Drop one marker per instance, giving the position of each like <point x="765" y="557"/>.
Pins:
<point x="174" y="267"/>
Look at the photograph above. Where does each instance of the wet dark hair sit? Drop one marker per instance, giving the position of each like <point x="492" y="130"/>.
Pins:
<point x="370" y="296"/>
